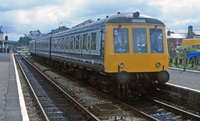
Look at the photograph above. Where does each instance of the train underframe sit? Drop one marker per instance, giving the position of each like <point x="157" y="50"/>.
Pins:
<point x="120" y="84"/>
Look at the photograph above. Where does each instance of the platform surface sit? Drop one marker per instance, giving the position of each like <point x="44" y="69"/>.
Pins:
<point x="188" y="78"/>
<point x="9" y="98"/>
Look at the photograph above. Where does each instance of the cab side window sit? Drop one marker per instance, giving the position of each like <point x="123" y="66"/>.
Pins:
<point x="156" y="39"/>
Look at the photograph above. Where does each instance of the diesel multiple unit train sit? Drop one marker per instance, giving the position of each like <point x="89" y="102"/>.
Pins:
<point x="121" y="54"/>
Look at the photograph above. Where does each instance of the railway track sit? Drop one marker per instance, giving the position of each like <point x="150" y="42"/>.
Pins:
<point x="52" y="103"/>
<point x="123" y="111"/>
<point x="136" y="108"/>
<point x="161" y="111"/>
<point x="184" y="114"/>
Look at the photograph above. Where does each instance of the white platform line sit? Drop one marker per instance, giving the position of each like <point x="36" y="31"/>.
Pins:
<point x="188" y="88"/>
<point x="21" y="97"/>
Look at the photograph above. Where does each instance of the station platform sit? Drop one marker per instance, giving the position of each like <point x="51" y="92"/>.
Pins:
<point x="189" y="78"/>
<point x="10" y="108"/>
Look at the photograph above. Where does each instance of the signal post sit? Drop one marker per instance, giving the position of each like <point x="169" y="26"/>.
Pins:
<point x="3" y="43"/>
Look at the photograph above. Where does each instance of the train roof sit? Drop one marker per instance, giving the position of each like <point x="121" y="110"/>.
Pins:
<point x="123" y="18"/>
<point x="132" y="18"/>
<point x="118" y="18"/>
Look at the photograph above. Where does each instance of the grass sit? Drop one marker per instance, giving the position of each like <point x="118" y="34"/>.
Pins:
<point x="188" y="66"/>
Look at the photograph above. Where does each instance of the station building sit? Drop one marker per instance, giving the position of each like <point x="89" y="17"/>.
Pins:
<point x="174" y="40"/>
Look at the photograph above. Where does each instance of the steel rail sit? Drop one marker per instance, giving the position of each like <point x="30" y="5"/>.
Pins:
<point x="141" y="113"/>
<point x="35" y="95"/>
<point x="84" y="110"/>
<point x="178" y="110"/>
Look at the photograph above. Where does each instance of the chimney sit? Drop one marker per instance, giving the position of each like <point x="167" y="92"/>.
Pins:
<point x="168" y="32"/>
<point x="190" y="32"/>
<point x="1" y="30"/>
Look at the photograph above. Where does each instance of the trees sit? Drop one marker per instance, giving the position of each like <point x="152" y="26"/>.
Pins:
<point x="24" y="40"/>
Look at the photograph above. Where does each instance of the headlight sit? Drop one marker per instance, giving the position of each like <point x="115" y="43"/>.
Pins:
<point x="121" y="65"/>
<point x="158" y="64"/>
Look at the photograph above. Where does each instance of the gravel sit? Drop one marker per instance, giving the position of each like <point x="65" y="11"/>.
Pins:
<point x="86" y="96"/>
<point x="32" y="107"/>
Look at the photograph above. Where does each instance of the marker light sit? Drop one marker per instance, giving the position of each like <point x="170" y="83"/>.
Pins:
<point x="121" y="65"/>
<point x="158" y="64"/>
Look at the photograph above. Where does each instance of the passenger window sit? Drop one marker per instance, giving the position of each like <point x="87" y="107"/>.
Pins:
<point x="56" y="40"/>
<point x="85" y="41"/>
<point x="77" y="41"/>
<point x="89" y="42"/>
<point x="71" y="43"/>
<point x="66" y="43"/>
<point x="139" y="40"/>
<point x="62" y="43"/>
<point x="156" y="38"/>
<point x="121" y="40"/>
<point x="58" y="44"/>
<point x="93" y="41"/>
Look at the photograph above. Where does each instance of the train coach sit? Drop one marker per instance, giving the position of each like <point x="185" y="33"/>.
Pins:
<point x="122" y="54"/>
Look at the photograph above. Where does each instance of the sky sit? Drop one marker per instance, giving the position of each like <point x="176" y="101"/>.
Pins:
<point x="19" y="17"/>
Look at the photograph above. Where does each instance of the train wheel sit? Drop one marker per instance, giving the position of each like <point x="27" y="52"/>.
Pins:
<point x="121" y="91"/>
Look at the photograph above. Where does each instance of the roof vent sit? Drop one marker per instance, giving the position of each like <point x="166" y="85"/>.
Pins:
<point x="98" y="19"/>
<point x="118" y="12"/>
<point x="136" y="14"/>
<point x="107" y="16"/>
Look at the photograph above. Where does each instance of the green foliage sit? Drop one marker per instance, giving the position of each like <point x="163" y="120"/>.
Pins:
<point x="170" y="60"/>
<point x="192" y="62"/>
<point x="186" y="61"/>
<point x="197" y="61"/>
<point x="172" y="52"/>
<point x="181" y="60"/>
<point x="24" y="40"/>
<point x="176" y="61"/>
<point x="188" y="50"/>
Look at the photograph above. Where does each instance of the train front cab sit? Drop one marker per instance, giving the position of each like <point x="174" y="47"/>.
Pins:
<point x="132" y="51"/>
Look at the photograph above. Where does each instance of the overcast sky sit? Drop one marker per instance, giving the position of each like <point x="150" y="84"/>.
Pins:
<point x="19" y="17"/>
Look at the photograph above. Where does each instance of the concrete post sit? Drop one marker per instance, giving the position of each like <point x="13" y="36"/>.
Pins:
<point x="184" y="59"/>
<point x="3" y="47"/>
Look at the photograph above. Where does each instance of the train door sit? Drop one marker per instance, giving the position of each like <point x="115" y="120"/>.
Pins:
<point x="66" y="44"/>
<point x="35" y="46"/>
<point x="81" y="43"/>
<point x="89" y="43"/>
<point x="62" y="45"/>
<point x="85" y="43"/>
<point x="95" y="42"/>
<point x="77" y="43"/>
<point x="71" y="44"/>
<point x="102" y="42"/>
